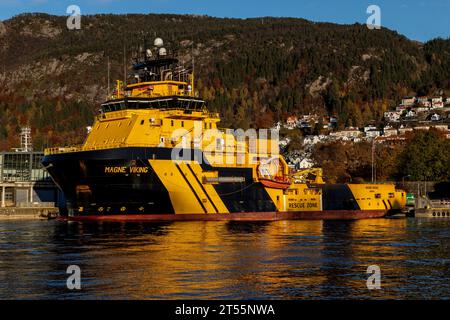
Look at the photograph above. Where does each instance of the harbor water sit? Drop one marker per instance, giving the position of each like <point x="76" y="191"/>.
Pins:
<point x="226" y="260"/>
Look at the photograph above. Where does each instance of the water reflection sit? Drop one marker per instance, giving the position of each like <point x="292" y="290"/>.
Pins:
<point x="236" y="260"/>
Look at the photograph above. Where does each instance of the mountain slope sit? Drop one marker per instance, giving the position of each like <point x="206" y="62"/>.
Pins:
<point x="254" y="71"/>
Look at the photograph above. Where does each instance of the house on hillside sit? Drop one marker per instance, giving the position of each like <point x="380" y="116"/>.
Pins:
<point x="370" y="127"/>
<point x="389" y="131"/>
<point x="392" y="116"/>
<point x="408" y="101"/>
<point x="305" y="163"/>
<point x="437" y="102"/>
<point x="291" y="122"/>
<point x="434" y="117"/>
<point x="373" y="133"/>
<point x="410" y="114"/>
<point x="348" y="133"/>
<point x="424" y="102"/>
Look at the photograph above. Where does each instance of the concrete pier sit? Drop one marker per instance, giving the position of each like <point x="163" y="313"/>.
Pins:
<point x="15" y="213"/>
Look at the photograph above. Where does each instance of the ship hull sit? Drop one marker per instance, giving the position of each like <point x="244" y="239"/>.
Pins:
<point x="101" y="185"/>
<point x="245" y="216"/>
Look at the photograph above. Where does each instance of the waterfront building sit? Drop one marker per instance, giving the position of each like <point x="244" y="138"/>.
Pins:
<point x="24" y="182"/>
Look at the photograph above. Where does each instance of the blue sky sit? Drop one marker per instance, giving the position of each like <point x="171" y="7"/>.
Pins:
<point x="417" y="19"/>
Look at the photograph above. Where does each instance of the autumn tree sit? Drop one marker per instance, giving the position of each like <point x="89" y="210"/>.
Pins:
<point x="426" y="157"/>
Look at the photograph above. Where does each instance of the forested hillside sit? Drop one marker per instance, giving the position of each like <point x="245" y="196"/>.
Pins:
<point x="254" y="71"/>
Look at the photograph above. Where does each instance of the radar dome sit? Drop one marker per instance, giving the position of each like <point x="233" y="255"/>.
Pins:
<point x="158" y="42"/>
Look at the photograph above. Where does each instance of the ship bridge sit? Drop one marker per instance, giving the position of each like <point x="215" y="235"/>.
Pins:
<point x="181" y="102"/>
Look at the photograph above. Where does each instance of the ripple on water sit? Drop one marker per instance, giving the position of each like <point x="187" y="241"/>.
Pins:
<point x="226" y="260"/>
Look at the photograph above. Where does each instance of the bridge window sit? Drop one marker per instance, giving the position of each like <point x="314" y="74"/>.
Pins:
<point x="142" y="122"/>
<point x="182" y="123"/>
<point x="391" y="195"/>
<point x="171" y="123"/>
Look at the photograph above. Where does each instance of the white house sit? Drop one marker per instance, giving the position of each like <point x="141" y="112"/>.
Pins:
<point x="408" y="101"/>
<point x="373" y="133"/>
<point x="314" y="139"/>
<point x="389" y="131"/>
<point x="435" y="117"/>
<point x="305" y="163"/>
<point x="436" y="99"/>
<point x="437" y="102"/>
<point x="392" y="116"/>
<point x="438" y="105"/>
<point x="410" y="114"/>
<point x="424" y="102"/>
<point x="369" y="128"/>
<point x="422" y="109"/>
<point x="347" y="133"/>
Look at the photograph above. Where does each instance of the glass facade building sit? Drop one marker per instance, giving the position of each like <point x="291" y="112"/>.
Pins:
<point x="22" y="167"/>
<point x="24" y="182"/>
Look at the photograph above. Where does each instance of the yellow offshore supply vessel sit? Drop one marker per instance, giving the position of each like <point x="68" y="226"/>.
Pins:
<point x="155" y="152"/>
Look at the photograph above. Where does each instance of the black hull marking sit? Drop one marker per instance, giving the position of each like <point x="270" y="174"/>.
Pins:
<point x="203" y="188"/>
<point x="192" y="189"/>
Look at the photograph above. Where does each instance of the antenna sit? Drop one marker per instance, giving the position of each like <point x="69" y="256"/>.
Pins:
<point x="193" y="69"/>
<point x="25" y="140"/>
<point x="109" y="80"/>
<point x="124" y="64"/>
